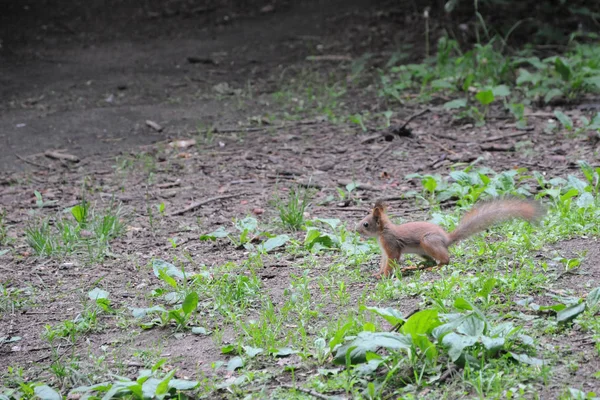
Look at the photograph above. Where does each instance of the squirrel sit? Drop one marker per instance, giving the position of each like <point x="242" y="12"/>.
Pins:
<point x="429" y="240"/>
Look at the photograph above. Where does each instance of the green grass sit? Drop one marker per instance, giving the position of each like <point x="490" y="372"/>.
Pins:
<point x="477" y="313"/>
<point x="291" y="211"/>
<point x="80" y="231"/>
<point x="473" y="81"/>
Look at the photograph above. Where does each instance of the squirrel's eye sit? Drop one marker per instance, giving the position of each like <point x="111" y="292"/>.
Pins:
<point x="366" y="224"/>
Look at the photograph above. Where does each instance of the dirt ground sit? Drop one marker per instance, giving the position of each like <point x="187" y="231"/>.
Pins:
<point x="70" y="81"/>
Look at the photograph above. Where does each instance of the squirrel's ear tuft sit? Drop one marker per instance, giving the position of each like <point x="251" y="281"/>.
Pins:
<point x="378" y="210"/>
<point x="380" y="205"/>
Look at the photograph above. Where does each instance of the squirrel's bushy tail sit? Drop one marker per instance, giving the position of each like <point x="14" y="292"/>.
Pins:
<point x="492" y="212"/>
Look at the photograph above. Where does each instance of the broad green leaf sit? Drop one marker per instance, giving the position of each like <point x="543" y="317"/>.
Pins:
<point x="569" y="195"/>
<point x="552" y="93"/>
<point x="564" y="119"/>
<point x="199" y="330"/>
<point x="332" y="222"/>
<point x="249" y="224"/>
<point x="176" y="316"/>
<point x="97" y="293"/>
<point x="588" y="171"/>
<point x="168" y="268"/>
<point x="79" y="212"/>
<point x="182" y="384"/>
<point x="314" y="237"/>
<point x="585" y="200"/>
<point x="455" y="104"/>
<point x="371" y="341"/>
<point x="441" y="330"/>
<point x="577" y="394"/>
<point x="142" y="312"/>
<point x="423" y="343"/>
<point x="235" y="363"/>
<point x="471" y="326"/>
<point x="219" y="233"/>
<point x="576" y="183"/>
<point x="593" y="81"/>
<point x="45" y="392"/>
<point x="488" y="286"/>
<point x="422" y="322"/>
<point x="593" y="297"/>
<point x="570" y="312"/>
<point x="501" y="91"/>
<point x="462" y="304"/>
<point x="525" y="359"/>
<point x="190" y="303"/>
<point x="391" y="315"/>
<point x="163" y="387"/>
<point x="554" y="307"/>
<point x="525" y="339"/>
<point x="485" y="97"/>
<point x="562" y="68"/>
<point x="462" y="177"/>
<point x="441" y="84"/>
<point x="162" y="274"/>
<point x="492" y="344"/>
<point x="273" y="243"/>
<point x="252" y="351"/>
<point x="456" y="343"/>
<point x="100" y="387"/>
<point x="284" y="352"/>
<point x="339" y="335"/>
<point x="351" y="186"/>
<point x="429" y="183"/>
<point x="228" y="348"/>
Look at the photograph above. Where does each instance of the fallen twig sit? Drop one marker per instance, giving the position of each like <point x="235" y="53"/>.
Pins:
<point x="396" y="327"/>
<point x="386" y="148"/>
<point x="447" y="374"/>
<point x="500" y="137"/>
<point x="395" y="130"/>
<point x="198" y="204"/>
<point x="416" y="115"/>
<point x="154" y="125"/>
<point x="33" y="163"/>
<point x="61" y="156"/>
<point x="498" y="147"/>
<point x="262" y="128"/>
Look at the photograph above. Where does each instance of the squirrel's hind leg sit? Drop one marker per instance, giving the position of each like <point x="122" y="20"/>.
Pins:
<point x="435" y="247"/>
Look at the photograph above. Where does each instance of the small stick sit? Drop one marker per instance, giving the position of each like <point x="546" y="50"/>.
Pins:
<point x="400" y="128"/>
<point x="61" y="156"/>
<point x="197" y="204"/>
<point x="447" y="374"/>
<point x="307" y="391"/>
<point x="33" y="163"/>
<point x="396" y="327"/>
<point x="154" y="125"/>
<point x="261" y="128"/>
<point x="500" y="137"/>
<point x="416" y="115"/>
<point x="386" y="148"/>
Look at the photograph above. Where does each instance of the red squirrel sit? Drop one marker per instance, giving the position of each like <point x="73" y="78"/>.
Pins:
<point x="429" y="240"/>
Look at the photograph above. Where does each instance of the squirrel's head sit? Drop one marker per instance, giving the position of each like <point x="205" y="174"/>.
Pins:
<point x="370" y="225"/>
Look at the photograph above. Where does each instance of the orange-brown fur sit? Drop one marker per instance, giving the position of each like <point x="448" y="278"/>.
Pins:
<point x="431" y="241"/>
